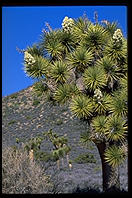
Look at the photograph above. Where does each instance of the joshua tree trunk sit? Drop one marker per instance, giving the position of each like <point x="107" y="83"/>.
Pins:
<point x="111" y="182"/>
<point x="62" y="161"/>
<point x="67" y="158"/>
<point x="58" y="164"/>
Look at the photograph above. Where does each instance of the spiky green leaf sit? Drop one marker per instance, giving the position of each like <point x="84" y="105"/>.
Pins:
<point x="37" y="69"/>
<point x="59" y="71"/>
<point x="81" y="106"/>
<point x="94" y="78"/>
<point x="109" y="67"/>
<point x="118" y="53"/>
<point x="80" y="58"/>
<point x="65" y="92"/>
<point x="95" y="38"/>
<point x="99" y="124"/>
<point x="114" y="155"/>
<point x="102" y="105"/>
<point x="118" y="104"/>
<point x="116" y="128"/>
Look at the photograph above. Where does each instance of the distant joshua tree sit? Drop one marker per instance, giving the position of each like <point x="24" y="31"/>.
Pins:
<point x="60" y="147"/>
<point x="84" y="64"/>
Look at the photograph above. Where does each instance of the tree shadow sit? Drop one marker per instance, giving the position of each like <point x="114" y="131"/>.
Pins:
<point x="90" y="190"/>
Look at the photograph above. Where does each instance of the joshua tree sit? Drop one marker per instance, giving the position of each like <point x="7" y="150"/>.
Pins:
<point x="84" y="64"/>
<point x="61" y="147"/>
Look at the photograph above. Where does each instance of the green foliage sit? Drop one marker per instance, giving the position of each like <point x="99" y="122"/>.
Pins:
<point x="99" y="124"/>
<point x="94" y="77"/>
<point x="70" y="161"/>
<point x="28" y="117"/>
<point x="81" y="26"/>
<point x="110" y="27"/>
<point x="102" y="105"/>
<point x="85" y="137"/>
<point x="17" y="140"/>
<point x="60" y="145"/>
<point x="35" y="142"/>
<point x="12" y="122"/>
<point x="55" y="155"/>
<point x="67" y="149"/>
<point x="81" y="106"/>
<point x="43" y="156"/>
<point x="85" y="158"/>
<point x="36" y="102"/>
<point x="51" y="45"/>
<point x="80" y="58"/>
<point x="124" y="83"/>
<point x="55" y="49"/>
<point x="97" y="168"/>
<point x="118" y="104"/>
<point x="114" y="155"/>
<point x="65" y="92"/>
<point x="57" y="43"/>
<point x="116" y="128"/>
<point x="109" y="67"/>
<point x="59" y="122"/>
<point x="14" y="96"/>
<point x="95" y="38"/>
<point x="59" y="72"/>
<point x="118" y="53"/>
<point x="38" y="68"/>
<point x="34" y="50"/>
<point x="62" y="94"/>
<point x="58" y="153"/>
<point x="68" y="42"/>
<point x="40" y="88"/>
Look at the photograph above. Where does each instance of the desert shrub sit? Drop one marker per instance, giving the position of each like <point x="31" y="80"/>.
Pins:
<point x="12" y="122"/>
<point x="22" y="176"/>
<point x="14" y="96"/>
<point x="59" y="122"/>
<point x="43" y="156"/>
<point x="28" y="117"/>
<point x="36" y="102"/>
<point x="85" y="158"/>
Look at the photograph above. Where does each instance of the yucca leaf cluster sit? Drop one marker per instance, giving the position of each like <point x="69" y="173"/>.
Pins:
<point x="59" y="72"/>
<point x="65" y="92"/>
<point x="36" y="66"/>
<point x="85" y="65"/>
<point x="81" y="106"/>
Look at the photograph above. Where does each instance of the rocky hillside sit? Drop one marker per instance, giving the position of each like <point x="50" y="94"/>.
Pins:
<point x="24" y="116"/>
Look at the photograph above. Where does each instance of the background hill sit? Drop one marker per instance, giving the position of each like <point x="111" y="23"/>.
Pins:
<point x="24" y="116"/>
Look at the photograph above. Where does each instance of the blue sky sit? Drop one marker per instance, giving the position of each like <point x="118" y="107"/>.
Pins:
<point x="22" y="26"/>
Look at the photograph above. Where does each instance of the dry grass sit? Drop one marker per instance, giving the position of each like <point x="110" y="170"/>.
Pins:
<point x="22" y="176"/>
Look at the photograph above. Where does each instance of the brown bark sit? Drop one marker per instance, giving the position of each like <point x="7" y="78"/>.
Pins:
<point x="58" y="164"/>
<point x="111" y="182"/>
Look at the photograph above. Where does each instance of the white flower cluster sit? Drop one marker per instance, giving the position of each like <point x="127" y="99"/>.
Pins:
<point x="28" y="58"/>
<point x="117" y="36"/>
<point x="98" y="94"/>
<point x="67" y="24"/>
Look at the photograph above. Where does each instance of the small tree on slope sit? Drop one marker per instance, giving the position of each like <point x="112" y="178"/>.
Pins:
<point x="84" y="64"/>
